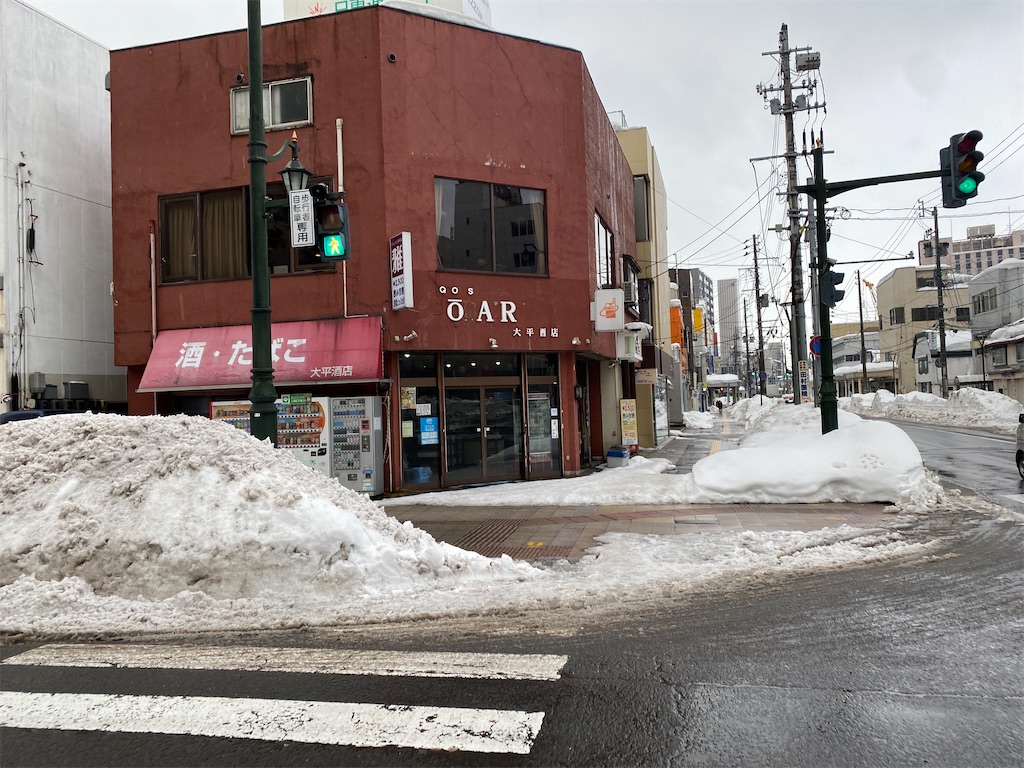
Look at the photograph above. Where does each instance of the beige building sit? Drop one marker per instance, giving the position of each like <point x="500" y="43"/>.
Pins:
<point x="907" y="307"/>
<point x="651" y="207"/>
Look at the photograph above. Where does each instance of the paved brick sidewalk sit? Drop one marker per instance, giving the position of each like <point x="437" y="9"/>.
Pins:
<point x="541" y="532"/>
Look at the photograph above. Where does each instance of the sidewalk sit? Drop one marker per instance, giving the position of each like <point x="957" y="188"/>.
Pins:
<point x="551" y="532"/>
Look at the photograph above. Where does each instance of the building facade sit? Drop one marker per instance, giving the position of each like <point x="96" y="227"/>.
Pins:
<point x="480" y="172"/>
<point x="56" y="313"/>
<point x="653" y="296"/>
<point x="908" y="305"/>
<point x="981" y="249"/>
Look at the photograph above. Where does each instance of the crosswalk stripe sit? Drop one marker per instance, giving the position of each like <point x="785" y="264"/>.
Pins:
<point x="300" y="660"/>
<point x="314" y="722"/>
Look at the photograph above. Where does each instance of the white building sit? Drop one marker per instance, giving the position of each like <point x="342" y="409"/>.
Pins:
<point x="732" y="346"/>
<point x="56" y="316"/>
<point x="997" y="296"/>
<point x="928" y="355"/>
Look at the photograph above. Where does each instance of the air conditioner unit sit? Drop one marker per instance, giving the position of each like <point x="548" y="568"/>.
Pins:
<point x="629" y="293"/>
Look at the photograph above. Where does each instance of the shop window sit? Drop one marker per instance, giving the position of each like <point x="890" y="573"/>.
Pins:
<point x="484" y="227"/>
<point x="286" y="104"/>
<point x="203" y="236"/>
<point x="421" y="435"/>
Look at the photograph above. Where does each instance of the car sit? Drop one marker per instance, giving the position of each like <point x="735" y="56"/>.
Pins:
<point x="1020" y="445"/>
<point x="33" y="413"/>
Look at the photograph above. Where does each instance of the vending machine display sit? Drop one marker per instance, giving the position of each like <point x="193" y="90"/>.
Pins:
<point x="301" y="426"/>
<point x="357" y="452"/>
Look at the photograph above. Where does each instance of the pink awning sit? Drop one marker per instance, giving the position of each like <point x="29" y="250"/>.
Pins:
<point x="308" y="352"/>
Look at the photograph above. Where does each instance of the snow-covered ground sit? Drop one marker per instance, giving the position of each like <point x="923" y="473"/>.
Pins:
<point x="125" y="525"/>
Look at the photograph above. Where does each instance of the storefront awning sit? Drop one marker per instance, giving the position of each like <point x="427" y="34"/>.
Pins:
<point x="308" y="352"/>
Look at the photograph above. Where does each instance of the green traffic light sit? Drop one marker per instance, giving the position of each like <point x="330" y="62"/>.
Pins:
<point x="968" y="186"/>
<point x="333" y="246"/>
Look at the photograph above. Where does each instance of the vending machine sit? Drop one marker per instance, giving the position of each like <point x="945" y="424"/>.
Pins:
<point x="357" y="443"/>
<point x="302" y="428"/>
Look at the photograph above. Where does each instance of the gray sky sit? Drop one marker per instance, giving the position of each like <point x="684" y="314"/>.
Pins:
<point x="898" y="78"/>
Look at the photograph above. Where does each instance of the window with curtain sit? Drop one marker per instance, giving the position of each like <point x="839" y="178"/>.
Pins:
<point x="484" y="227"/>
<point x="203" y="236"/>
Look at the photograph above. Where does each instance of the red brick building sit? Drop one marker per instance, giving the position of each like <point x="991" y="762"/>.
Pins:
<point x="495" y="155"/>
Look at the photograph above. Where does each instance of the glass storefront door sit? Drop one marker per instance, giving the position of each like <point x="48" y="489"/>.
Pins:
<point x="484" y="434"/>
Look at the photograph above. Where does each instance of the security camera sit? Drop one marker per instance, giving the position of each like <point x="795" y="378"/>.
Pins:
<point x="392" y="58"/>
<point x="240" y="78"/>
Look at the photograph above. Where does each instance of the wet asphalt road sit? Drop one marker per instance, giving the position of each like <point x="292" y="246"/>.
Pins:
<point x="912" y="663"/>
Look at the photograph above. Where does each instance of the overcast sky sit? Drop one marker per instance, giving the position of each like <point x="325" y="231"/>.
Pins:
<point x="898" y="78"/>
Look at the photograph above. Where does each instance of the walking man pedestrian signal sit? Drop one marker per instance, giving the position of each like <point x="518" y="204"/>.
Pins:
<point x="332" y="236"/>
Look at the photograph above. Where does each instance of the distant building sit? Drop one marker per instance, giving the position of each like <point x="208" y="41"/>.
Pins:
<point x="981" y="249"/>
<point x="695" y="293"/>
<point x="908" y="306"/>
<point x="731" y="345"/>
<point x="959" y="361"/>
<point x="56" y="309"/>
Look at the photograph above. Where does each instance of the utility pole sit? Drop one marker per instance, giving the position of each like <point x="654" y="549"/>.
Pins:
<point x="746" y="347"/>
<point x="804" y="62"/>
<point x="760" y="332"/>
<point x="942" y="312"/>
<point x="863" y="346"/>
<point x="799" y="331"/>
<point x="812" y="242"/>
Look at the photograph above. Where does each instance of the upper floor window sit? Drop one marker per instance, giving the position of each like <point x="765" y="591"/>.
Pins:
<point x="205" y="236"/>
<point x="984" y="302"/>
<point x="897" y="316"/>
<point x="286" y="104"/>
<point x="924" y="314"/>
<point x="640" y="210"/>
<point x="484" y="227"/>
<point x="604" y="251"/>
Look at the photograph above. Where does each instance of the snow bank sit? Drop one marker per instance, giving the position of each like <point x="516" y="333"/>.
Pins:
<point x="966" y="407"/>
<point x="155" y="506"/>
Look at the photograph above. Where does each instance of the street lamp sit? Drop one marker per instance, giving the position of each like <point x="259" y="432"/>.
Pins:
<point x="263" y="396"/>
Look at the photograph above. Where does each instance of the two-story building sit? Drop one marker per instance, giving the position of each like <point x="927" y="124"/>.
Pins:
<point x="479" y="168"/>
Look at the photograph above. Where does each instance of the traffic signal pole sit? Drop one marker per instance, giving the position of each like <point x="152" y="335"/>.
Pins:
<point x="821" y="191"/>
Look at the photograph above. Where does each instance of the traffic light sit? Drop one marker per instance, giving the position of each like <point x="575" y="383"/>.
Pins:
<point x="828" y="290"/>
<point x="330" y="221"/>
<point x="959" y="166"/>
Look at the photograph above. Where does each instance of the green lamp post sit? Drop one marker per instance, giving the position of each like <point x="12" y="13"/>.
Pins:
<point x="263" y="396"/>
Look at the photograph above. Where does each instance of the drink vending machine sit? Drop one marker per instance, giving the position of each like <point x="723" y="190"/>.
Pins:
<point x="342" y="437"/>
<point x="357" y="443"/>
<point x="301" y="426"/>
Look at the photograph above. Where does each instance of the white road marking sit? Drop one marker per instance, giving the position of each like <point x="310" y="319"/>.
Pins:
<point x="299" y="660"/>
<point x="315" y="722"/>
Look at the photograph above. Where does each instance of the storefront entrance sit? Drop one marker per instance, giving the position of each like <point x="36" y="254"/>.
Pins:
<point x="484" y="434"/>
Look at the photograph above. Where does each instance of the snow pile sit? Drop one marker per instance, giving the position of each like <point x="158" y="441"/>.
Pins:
<point x="155" y="506"/>
<point x="783" y="459"/>
<point x="966" y="407"/>
<point x="127" y="525"/>
<point x="698" y="420"/>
